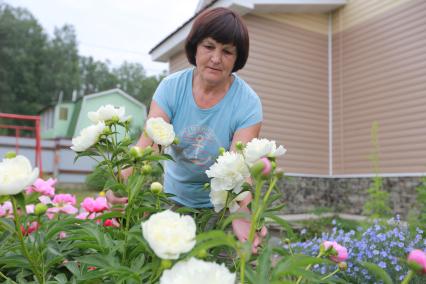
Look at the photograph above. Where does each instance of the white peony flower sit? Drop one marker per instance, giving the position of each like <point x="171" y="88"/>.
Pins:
<point x="107" y="112"/>
<point x="88" y="137"/>
<point x="228" y="173"/>
<point x="16" y="174"/>
<point x="159" y="131"/>
<point x="195" y="271"/>
<point x="169" y="234"/>
<point x="259" y="148"/>
<point x="218" y="199"/>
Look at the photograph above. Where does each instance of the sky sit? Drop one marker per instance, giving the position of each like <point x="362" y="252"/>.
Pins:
<point x="117" y="30"/>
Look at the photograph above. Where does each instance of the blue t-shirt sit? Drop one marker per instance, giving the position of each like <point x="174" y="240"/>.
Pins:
<point x="201" y="132"/>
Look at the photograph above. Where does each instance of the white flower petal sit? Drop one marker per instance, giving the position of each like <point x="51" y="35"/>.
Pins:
<point x="159" y="131"/>
<point x="195" y="271"/>
<point x="16" y="174"/>
<point x="169" y="234"/>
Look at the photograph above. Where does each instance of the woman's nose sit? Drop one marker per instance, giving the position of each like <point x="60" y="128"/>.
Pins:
<point x="216" y="56"/>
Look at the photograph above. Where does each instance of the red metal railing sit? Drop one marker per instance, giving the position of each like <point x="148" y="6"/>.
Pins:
<point x="18" y="128"/>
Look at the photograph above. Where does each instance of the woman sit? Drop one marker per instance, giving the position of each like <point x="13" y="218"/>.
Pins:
<point x="209" y="107"/>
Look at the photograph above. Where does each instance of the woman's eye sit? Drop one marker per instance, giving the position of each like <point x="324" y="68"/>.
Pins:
<point x="208" y="47"/>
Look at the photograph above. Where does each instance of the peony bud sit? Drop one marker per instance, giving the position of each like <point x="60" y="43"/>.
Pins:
<point x="126" y="140"/>
<point x="136" y="152"/>
<point x="146" y="169"/>
<point x="202" y="254"/>
<point x="343" y="266"/>
<point x="417" y="261"/>
<point x="279" y="173"/>
<point x="107" y="131"/>
<point x="10" y="155"/>
<point x="221" y="151"/>
<point x="166" y="264"/>
<point x="147" y="150"/>
<point x="176" y="141"/>
<point x="156" y="187"/>
<point x="262" y="167"/>
<point x="206" y="185"/>
<point x="239" y="146"/>
<point x="40" y="209"/>
<point x="336" y="252"/>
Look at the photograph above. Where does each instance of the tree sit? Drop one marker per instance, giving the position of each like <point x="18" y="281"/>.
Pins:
<point x="22" y="57"/>
<point x="62" y="71"/>
<point x="95" y="76"/>
<point x="133" y="80"/>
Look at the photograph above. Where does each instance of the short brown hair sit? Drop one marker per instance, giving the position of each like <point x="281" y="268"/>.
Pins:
<point x="224" y="26"/>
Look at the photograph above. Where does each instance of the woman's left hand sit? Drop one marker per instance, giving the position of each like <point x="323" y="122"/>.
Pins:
<point x="241" y="228"/>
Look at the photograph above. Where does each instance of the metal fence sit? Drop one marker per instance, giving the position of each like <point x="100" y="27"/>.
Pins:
<point x="56" y="155"/>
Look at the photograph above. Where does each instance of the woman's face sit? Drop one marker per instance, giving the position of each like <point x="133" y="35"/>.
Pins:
<point x="214" y="60"/>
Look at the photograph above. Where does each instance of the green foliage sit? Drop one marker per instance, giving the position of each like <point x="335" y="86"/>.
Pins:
<point x="377" y="205"/>
<point x="97" y="179"/>
<point x="37" y="70"/>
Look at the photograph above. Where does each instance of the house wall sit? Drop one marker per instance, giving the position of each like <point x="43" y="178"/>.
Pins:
<point x="287" y="67"/>
<point x="62" y="124"/>
<point x="379" y="71"/>
<point x="178" y="62"/>
<point x="52" y="125"/>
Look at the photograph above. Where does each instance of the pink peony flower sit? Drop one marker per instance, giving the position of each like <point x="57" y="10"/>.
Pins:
<point x="95" y="205"/>
<point x="62" y="203"/>
<point x="31" y="228"/>
<point x="43" y="187"/>
<point x="6" y="209"/>
<point x="339" y="254"/>
<point x="111" y="223"/>
<point x="84" y="215"/>
<point x="267" y="166"/>
<point x="30" y="208"/>
<point x="64" y="198"/>
<point x="62" y="235"/>
<point x="418" y="257"/>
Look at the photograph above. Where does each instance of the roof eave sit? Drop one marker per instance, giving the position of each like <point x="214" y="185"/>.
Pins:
<point x="175" y="41"/>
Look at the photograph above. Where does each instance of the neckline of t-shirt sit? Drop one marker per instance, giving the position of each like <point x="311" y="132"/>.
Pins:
<point x="221" y="102"/>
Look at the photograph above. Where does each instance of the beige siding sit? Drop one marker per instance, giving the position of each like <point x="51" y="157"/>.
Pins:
<point x="287" y="67"/>
<point x="178" y="62"/>
<point x="379" y="74"/>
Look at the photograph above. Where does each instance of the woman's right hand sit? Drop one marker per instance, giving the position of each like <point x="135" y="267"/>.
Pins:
<point x="126" y="173"/>
<point x="113" y="199"/>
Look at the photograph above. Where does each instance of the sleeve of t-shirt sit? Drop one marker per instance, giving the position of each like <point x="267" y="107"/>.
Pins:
<point x="163" y="96"/>
<point x="251" y="113"/>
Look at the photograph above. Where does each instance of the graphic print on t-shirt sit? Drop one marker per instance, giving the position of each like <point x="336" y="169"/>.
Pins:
<point x="200" y="146"/>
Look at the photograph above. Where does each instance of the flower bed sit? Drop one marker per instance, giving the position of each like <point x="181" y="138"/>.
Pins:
<point x="136" y="238"/>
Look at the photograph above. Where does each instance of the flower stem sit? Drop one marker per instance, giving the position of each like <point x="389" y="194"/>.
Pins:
<point x="331" y="274"/>
<point x="131" y="190"/>
<point x="257" y="209"/>
<point x="242" y="267"/>
<point x="289" y="247"/>
<point x="224" y="209"/>
<point x="21" y="240"/>
<point x="7" y="278"/>
<point x="268" y="192"/>
<point x="408" y="277"/>
<point x="308" y="267"/>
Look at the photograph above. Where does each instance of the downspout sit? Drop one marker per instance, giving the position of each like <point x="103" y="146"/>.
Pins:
<point x="330" y="94"/>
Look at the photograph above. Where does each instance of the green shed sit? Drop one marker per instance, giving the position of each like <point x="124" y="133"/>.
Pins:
<point x="67" y="119"/>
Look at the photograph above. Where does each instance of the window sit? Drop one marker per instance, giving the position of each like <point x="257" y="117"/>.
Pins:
<point x="63" y="113"/>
